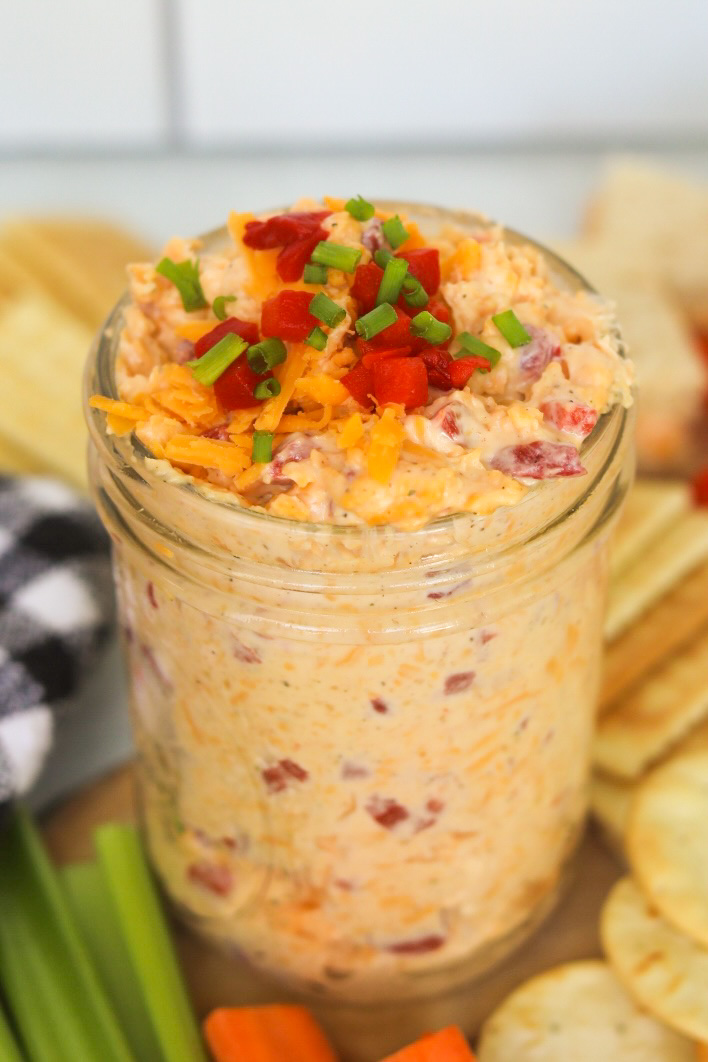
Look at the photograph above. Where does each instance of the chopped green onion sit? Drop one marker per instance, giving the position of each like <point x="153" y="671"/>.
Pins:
<point x="359" y="208"/>
<point x="266" y="388"/>
<point x="262" y="451"/>
<point x="327" y="310"/>
<point x="382" y="257"/>
<point x="429" y="328"/>
<point x="92" y="907"/>
<point x="264" y="356"/>
<point x="317" y="338"/>
<point x="53" y="990"/>
<point x="211" y="365"/>
<point x="315" y="274"/>
<point x="147" y="938"/>
<point x="219" y="305"/>
<point x="376" y="320"/>
<point x="473" y="345"/>
<point x="394" y="231"/>
<point x="511" y="328"/>
<point x="185" y="277"/>
<point x="392" y="281"/>
<point x="336" y="255"/>
<point x="413" y="292"/>
<point x="9" y="1051"/>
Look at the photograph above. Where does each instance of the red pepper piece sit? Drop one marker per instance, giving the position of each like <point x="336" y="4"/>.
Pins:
<point x="377" y="355"/>
<point x="283" y="229"/>
<point x="700" y="487"/>
<point x="292" y="260"/>
<point x="402" y="380"/>
<point x="437" y="362"/>
<point x="360" y="384"/>
<point x="461" y="370"/>
<point x="396" y="335"/>
<point x="287" y="316"/>
<point x="234" y="388"/>
<point x="231" y="326"/>
<point x="367" y="281"/>
<point x="424" y="265"/>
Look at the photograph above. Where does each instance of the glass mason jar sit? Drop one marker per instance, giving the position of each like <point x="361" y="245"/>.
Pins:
<point x="363" y="753"/>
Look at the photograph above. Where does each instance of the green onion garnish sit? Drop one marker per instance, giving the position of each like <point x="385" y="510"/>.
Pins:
<point x="413" y="291"/>
<point x="262" y="451"/>
<point x="429" y="328"/>
<point x="473" y="345"/>
<point x="511" y="328"/>
<point x="185" y="277"/>
<point x="144" y="929"/>
<point x="326" y="310"/>
<point x="376" y="320"/>
<point x="315" y="274"/>
<point x="266" y="388"/>
<point x="392" y="281"/>
<point x="359" y="208"/>
<point x="317" y="338"/>
<point x="394" y="232"/>
<point x="211" y="365"/>
<point x="336" y="255"/>
<point x="382" y="257"/>
<point x="266" y="355"/>
<point x="219" y="305"/>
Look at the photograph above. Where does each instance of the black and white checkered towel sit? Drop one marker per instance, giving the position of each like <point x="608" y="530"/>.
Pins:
<point x="55" y="611"/>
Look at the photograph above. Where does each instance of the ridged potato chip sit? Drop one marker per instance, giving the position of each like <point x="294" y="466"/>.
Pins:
<point x="577" y="1013"/>
<point x="667" y="841"/>
<point x="665" y="971"/>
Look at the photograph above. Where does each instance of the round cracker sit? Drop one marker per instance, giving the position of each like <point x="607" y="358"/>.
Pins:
<point x="665" y="971"/>
<point x="578" y="1012"/>
<point x="667" y="842"/>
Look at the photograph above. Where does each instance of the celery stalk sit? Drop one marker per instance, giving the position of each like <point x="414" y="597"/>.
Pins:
<point x="55" y="994"/>
<point x="97" y="919"/>
<point x="9" y="1051"/>
<point x="148" y="941"/>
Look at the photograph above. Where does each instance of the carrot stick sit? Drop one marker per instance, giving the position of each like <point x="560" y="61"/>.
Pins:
<point x="270" y="1033"/>
<point x="447" y="1045"/>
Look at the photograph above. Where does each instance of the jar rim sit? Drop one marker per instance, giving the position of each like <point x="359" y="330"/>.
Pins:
<point x="129" y="452"/>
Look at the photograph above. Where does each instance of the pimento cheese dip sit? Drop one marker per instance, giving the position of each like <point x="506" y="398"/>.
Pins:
<point x="364" y="648"/>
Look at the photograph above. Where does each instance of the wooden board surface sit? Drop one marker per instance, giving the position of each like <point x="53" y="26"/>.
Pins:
<point x="364" y="1033"/>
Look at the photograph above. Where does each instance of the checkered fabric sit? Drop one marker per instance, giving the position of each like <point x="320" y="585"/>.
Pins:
<point x="55" y="611"/>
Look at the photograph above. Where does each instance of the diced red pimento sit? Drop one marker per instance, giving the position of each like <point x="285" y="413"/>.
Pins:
<point x="377" y="355"/>
<point x="282" y="774"/>
<point x="234" y="388"/>
<point x="283" y="229"/>
<point x="700" y="487"/>
<point x="397" y="334"/>
<point x="417" y="946"/>
<point x="538" y="460"/>
<point x="231" y="326"/>
<point x="212" y="876"/>
<point x="424" y="265"/>
<point x="287" y="316"/>
<point x="291" y="261"/>
<point x="459" y="682"/>
<point x="540" y="352"/>
<point x="461" y="369"/>
<point x="386" y="811"/>
<point x="400" y="380"/>
<point x="367" y="281"/>
<point x="573" y="417"/>
<point x="437" y="362"/>
<point x="360" y="384"/>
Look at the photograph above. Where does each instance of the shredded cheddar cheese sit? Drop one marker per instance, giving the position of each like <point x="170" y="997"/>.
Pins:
<point x="385" y="446"/>
<point x="206" y="453"/>
<point x="352" y="431"/>
<point x="194" y="330"/>
<point x="274" y="408"/>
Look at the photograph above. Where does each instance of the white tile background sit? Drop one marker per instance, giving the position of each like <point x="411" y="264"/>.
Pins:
<point x="248" y="74"/>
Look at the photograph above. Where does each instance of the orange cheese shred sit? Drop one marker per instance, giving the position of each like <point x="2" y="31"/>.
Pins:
<point x="465" y="259"/>
<point x="122" y="410"/>
<point x="206" y="453"/>
<point x="352" y="431"/>
<point x="292" y="370"/>
<point x="385" y="446"/>
<point x="194" y="330"/>
<point x="321" y="388"/>
<point x="306" y="421"/>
